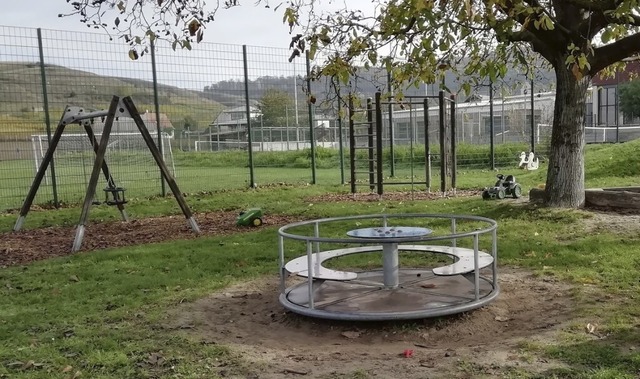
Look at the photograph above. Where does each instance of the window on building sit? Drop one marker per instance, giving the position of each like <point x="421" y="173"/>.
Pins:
<point x="237" y="115"/>
<point x="608" y="106"/>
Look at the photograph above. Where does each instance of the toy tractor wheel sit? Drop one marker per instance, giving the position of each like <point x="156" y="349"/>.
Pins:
<point x="517" y="191"/>
<point x="501" y="193"/>
<point x="485" y="195"/>
<point x="256" y="222"/>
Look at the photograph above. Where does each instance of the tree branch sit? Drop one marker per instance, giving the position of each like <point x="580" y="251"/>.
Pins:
<point x="556" y="23"/>
<point x="595" y="5"/>
<point x="614" y="52"/>
<point x="537" y="44"/>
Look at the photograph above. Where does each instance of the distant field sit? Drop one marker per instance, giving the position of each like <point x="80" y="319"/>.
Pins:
<point x="606" y="165"/>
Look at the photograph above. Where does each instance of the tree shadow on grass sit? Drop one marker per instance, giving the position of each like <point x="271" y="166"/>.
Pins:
<point x="608" y="356"/>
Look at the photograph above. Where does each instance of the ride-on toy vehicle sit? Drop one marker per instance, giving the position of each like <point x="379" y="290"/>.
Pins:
<point x="505" y="186"/>
<point x="250" y="217"/>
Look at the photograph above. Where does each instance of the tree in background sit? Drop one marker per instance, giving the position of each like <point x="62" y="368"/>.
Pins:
<point x="630" y="99"/>
<point x="277" y="108"/>
<point x="420" y="40"/>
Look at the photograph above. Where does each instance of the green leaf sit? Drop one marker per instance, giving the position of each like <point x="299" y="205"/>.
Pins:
<point x="467" y="88"/>
<point x="312" y="50"/>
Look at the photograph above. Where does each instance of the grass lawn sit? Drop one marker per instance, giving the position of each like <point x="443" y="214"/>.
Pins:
<point x="107" y="314"/>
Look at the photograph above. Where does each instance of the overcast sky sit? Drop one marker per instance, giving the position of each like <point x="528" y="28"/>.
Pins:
<point x="68" y="42"/>
<point x="247" y="24"/>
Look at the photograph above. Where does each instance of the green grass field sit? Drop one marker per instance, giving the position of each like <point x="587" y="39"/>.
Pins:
<point x="102" y="314"/>
<point x="197" y="172"/>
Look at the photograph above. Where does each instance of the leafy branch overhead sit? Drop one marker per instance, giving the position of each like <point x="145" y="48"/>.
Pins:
<point x="141" y="22"/>
<point x="419" y="40"/>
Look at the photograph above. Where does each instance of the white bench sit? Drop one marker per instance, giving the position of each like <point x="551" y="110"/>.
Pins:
<point x="464" y="261"/>
<point x="299" y="267"/>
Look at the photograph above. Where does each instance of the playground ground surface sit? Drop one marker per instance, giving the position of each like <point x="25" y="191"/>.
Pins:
<point x="495" y="341"/>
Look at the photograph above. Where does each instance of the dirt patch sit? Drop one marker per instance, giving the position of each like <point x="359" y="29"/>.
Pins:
<point x="275" y="342"/>
<point x="604" y="220"/>
<point x="25" y="246"/>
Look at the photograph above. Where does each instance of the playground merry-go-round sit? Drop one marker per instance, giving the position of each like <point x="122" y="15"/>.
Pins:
<point x="450" y="266"/>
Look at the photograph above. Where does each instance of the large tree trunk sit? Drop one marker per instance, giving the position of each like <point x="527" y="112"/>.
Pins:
<point x="565" y="175"/>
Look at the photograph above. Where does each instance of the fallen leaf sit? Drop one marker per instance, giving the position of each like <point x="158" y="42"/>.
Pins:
<point x="67" y="369"/>
<point x="74" y="278"/>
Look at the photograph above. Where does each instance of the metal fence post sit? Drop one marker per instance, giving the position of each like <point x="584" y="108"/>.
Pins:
<point x="340" y="142"/>
<point x="391" y="147"/>
<point x="454" y="160"/>
<point x="492" y="128"/>
<point x="47" y="119"/>
<point x="156" y="103"/>
<point x="443" y="147"/>
<point x="533" y="123"/>
<point x="379" y="143"/>
<point x="427" y="147"/>
<point x="248" y="111"/>
<point x="312" y="137"/>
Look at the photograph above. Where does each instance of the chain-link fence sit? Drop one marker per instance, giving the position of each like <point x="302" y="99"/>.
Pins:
<point x="224" y="116"/>
<point x="232" y="100"/>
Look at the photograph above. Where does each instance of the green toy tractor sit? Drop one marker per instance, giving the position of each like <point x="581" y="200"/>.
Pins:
<point x="250" y="217"/>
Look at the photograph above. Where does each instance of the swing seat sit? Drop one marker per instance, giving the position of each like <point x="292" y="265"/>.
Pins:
<point x="117" y="196"/>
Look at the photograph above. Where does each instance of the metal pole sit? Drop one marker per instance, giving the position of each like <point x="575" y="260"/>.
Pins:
<point x="370" y="151"/>
<point x="390" y="109"/>
<point x="248" y="112"/>
<point x="492" y="128"/>
<point x="311" y="121"/>
<point x="616" y="107"/>
<point x="352" y="145"/>
<point x="454" y="161"/>
<point x="533" y="125"/>
<point x="295" y="96"/>
<point x="379" y="142"/>
<point x="156" y="104"/>
<point x="47" y="119"/>
<point x="427" y="148"/>
<point x="286" y="117"/>
<point x="443" y="164"/>
<point x="340" y="146"/>
<point x="502" y="129"/>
